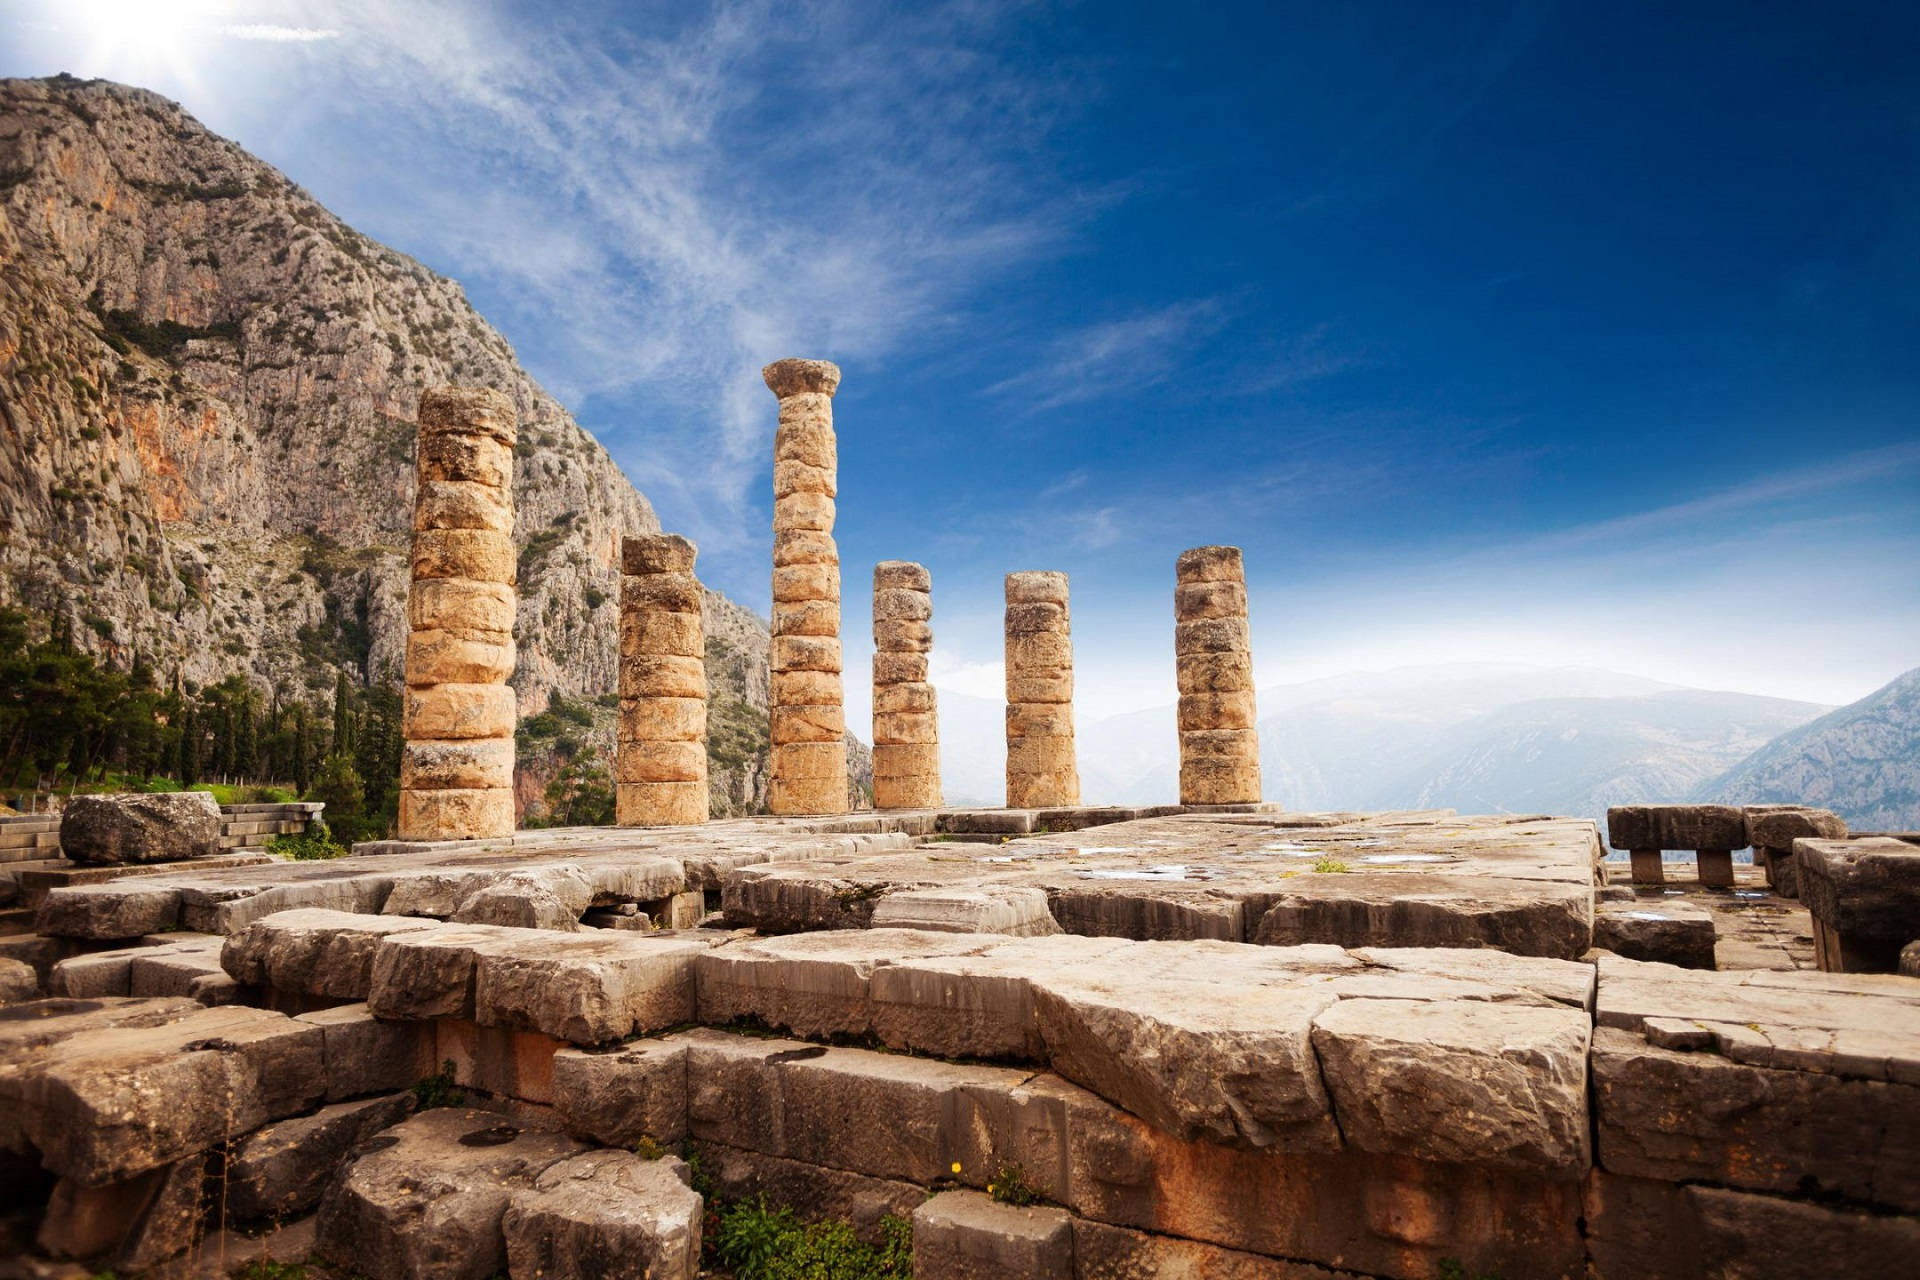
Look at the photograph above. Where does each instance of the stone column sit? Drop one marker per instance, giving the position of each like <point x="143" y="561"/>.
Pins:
<point x="660" y="771"/>
<point x="809" y="723"/>
<point x="1041" y="770"/>
<point x="906" y="722"/>
<point x="456" y="772"/>
<point x="1219" y="746"/>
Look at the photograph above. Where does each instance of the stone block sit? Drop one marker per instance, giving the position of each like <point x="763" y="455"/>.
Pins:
<point x="805" y="653"/>
<point x="1037" y="720"/>
<point x="798" y="761"/>
<point x="1233" y="710"/>
<point x="1037" y="586"/>
<point x="676" y="634"/>
<point x="663" y="676"/>
<point x="459" y="711"/>
<point x="1864" y="896"/>
<point x="281" y="1170"/>
<point x="804" y="511"/>
<point x="368" y="1055"/>
<point x="806" y="688"/>
<point x="1212" y="635"/>
<point x="1210" y="564"/>
<point x="312" y="951"/>
<point x="20" y="981"/>
<point x="1038" y="651"/>
<point x="901" y="575"/>
<point x="803" y="546"/>
<point x="1102" y="1252"/>
<point x="134" y="828"/>
<point x="964" y="1235"/>
<point x="475" y="459"/>
<point x="1014" y="910"/>
<point x="427" y="1197"/>
<point x="807" y="795"/>
<point x="897" y="669"/>
<point x="643" y="761"/>
<point x="550" y="898"/>
<point x="663" y="720"/>
<point x="461" y="504"/>
<point x="660" y="593"/>
<point x="1777" y="826"/>
<point x="1676" y="826"/>
<point x="908" y="699"/>
<point x="457" y="813"/>
<point x="448" y="657"/>
<point x="811" y="443"/>
<point x="482" y="554"/>
<point x="461" y="605"/>
<point x="472" y="412"/>
<point x="1665" y="932"/>
<point x="1201" y="601"/>
<point x="657" y="553"/>
<point x="512" y="1065"/>
<point x="430" y="973"/>
<point x="118" y="1101"/>
<point x="606" y="1213"/>
<point x="614" y="1098"/>
<point x="793" y="724"/>
<point x="1460" y="1082"/>
<point x="1227" y="672"/>
<point x="473" y="763"/>
<point x="136" y="1224"/>
<point x="806" y="617"/>
<point x="895" y="602"/>
<point x="590" y="988"/>
<point x="661" y="804"/>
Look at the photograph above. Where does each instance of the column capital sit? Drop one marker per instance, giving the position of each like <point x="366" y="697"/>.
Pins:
<point x="793" y="376"/>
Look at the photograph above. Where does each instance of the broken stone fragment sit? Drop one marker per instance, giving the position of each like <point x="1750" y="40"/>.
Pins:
<point x="19" y="981"/>
<point x="1665" y="932"/>
<point x="282" y="1169"/>
<point x="427" y="1197"/>
<point x="161" y="827"/>
<point x="606" y="1213"/>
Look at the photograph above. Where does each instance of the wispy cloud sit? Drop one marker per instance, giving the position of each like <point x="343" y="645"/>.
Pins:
<point x="285" y="35"/>
<point x="680" y="206"/>
<point x="1114" y="357"/>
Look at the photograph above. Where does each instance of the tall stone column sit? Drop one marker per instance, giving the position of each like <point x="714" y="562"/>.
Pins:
<point x="809" y="725"/>
<point x="1041" y="769"/>
<point x="456" y="771"/>
<point x="1219" y="746"/>
<point x="906" y="721"/>
<point x="660" y="773"/>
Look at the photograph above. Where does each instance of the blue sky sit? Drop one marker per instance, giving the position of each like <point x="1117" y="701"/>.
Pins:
<point x="1550" y="333"/>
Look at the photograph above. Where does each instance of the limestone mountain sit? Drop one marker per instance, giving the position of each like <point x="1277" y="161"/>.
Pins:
<point x="1861" y="761"/>
<point x="208" y="387"/>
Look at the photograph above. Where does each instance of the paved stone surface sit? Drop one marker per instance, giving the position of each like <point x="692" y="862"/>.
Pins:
<point x="1431" y="880"/>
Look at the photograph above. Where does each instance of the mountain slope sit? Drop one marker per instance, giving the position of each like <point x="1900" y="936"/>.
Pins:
<point x="208" y="386"/>
<point x="1476" y="737"/>
<point x="1862" y="761"/>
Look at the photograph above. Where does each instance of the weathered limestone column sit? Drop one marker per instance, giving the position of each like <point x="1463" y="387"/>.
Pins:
<point x="809" y="723"/>
<point x="906" y="721"/>
<point x="456" y="772"/>
<point x="1041" y="769"/>
<point x="1219" y="746"/>
<point x="660" y="777"/>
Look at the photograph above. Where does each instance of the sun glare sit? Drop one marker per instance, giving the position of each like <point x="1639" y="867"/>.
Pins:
<point x="134" y="39"/>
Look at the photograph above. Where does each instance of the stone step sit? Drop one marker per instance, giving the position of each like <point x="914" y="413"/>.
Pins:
<point x="37" y="839"/>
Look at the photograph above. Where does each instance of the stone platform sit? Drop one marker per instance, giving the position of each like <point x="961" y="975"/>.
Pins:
<point x="1246" y="1044"/>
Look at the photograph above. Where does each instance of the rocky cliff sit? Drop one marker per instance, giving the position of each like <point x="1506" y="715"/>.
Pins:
<point x="208" y="386"/>
<point x="1862" y="762"/>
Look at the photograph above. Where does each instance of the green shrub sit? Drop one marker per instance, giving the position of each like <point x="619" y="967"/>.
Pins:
<point x="438" y="1090"/>
<point x="1330" y="866"/>
<point x="756" y="1242"/>
<point x="1010" y="1185"/>
<point x="314" y="844"/>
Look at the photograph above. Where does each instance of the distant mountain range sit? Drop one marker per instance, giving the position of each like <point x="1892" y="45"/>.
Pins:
<point x="1862" y="761"/>
<point x="1489" y="738"/>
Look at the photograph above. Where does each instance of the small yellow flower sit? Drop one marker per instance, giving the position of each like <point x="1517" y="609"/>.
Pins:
<point x="989" y="1188"/>
<point x="956" y="1166"/>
